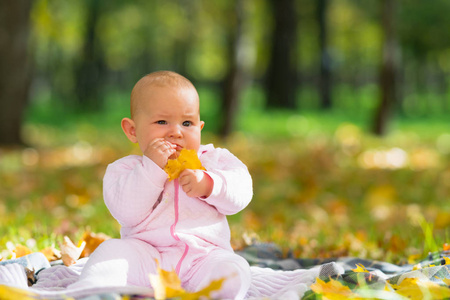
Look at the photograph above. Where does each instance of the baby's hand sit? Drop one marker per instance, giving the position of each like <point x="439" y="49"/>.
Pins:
<point x="196" y="183"/>
<point x="159" y="150"/>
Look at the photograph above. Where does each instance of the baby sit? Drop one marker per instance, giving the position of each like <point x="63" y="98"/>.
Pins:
<point x="181" y="223"/>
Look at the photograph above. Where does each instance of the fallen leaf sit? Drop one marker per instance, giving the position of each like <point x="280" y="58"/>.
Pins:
<point x="413" y="258"/>
<point x="332" y="290"/>
<point x="214" y="285"/>
<point x="92" y="240"/>
<point x="69" y="252"/>
<point x="13" y="293"/>
<point x="167" y="285"/>
<point x="21" y="250"/>
<point x="447" y="260"/>
<point x="31" y="276"/>
<point x="446" y="247"/>
<point x="51" y="253"/>
<point x="417" y="289"/>
<point x="187" y="159"/>
<point x="360" y="269"/>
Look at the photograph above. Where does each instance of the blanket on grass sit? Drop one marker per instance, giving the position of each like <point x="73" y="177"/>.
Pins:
<point x="273" y="277"/>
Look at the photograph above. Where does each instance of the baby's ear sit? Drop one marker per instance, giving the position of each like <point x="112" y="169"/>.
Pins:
<point x="129" y="128"/>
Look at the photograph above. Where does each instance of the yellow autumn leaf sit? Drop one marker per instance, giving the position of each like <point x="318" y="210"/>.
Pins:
<point x="447" y="260"/>
<point x="187" y="159"/>
<point x="417" y="289"/>
<point x="13" y="293"/>
<point x="92" y="240"/>
<point x="360" y="269"/>
<point x="332" y="290"/>
<point x="413" y="258"/>
<point x="167" y="285"/>
<point x="214" y="285"/>
<point x="51" y="253"/>
<point x="21" y="250"/>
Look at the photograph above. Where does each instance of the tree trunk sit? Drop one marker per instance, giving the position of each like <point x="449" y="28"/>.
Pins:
<point x="325" y="59"/>
<point x="234" y="79"/>
<point x="90" y="73"/>
<point x="388" y="69"/>
<point x="282" y="72"/>
<point x="15" y="69"/>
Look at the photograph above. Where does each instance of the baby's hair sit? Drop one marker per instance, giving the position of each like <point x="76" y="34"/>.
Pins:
<point x="161" y="79"/>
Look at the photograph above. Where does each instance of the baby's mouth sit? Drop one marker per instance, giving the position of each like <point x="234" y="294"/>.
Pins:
<point x="178" y="149"/>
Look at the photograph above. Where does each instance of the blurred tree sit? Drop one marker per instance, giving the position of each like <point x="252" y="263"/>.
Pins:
<point x="15" y="68"/>
<point x="325" y="59"/>
<point x="425" y="55"/>
<point x="234" y="78"/>
<point x="183" y="43"/>
<point x="389" y="66"/>
<point x="90" y="72"/>
<point x="282" y="78"/>
<point x="57" y="34"/>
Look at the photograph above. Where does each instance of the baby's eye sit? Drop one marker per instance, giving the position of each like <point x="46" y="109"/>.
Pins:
<point x="187" y="123"/>
<point x="161" y="122"/>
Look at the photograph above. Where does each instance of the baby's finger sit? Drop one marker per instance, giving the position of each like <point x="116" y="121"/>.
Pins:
<point x="157" y="142"/>
<point x="183" y="179"/>
<point x="187" y="188"/>
<point x="170" y="145"/>
<point x="164" y="147"/>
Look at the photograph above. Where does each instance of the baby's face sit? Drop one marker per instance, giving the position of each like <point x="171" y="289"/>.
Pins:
<point x="169" y="113"/>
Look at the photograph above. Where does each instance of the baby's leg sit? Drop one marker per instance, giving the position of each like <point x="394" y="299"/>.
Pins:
<point x="118" y="262"/>
<point x="222" y="264"/>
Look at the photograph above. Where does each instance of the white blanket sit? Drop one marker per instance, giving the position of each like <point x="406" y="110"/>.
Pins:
<point x="53" y="283"/>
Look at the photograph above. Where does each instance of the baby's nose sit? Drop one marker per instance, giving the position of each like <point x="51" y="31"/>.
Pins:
<point x="175" y="131"/>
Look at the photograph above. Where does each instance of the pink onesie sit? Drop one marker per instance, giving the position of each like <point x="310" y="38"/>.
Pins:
<point x="159" y="221"/>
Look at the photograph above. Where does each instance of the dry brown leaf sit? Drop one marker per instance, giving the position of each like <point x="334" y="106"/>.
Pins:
<point x="69" y="252"/>
<point x="31" y="276"/>
<point x="92" y="241"/>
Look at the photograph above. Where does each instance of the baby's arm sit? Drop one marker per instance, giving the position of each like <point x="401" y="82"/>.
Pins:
<point x="131" y="187"/>
<point x="232" y="184"/>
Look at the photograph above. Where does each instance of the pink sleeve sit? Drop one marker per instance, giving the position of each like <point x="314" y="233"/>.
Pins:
<point x="232" y="190"/>
<point x="131" y="186"/>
